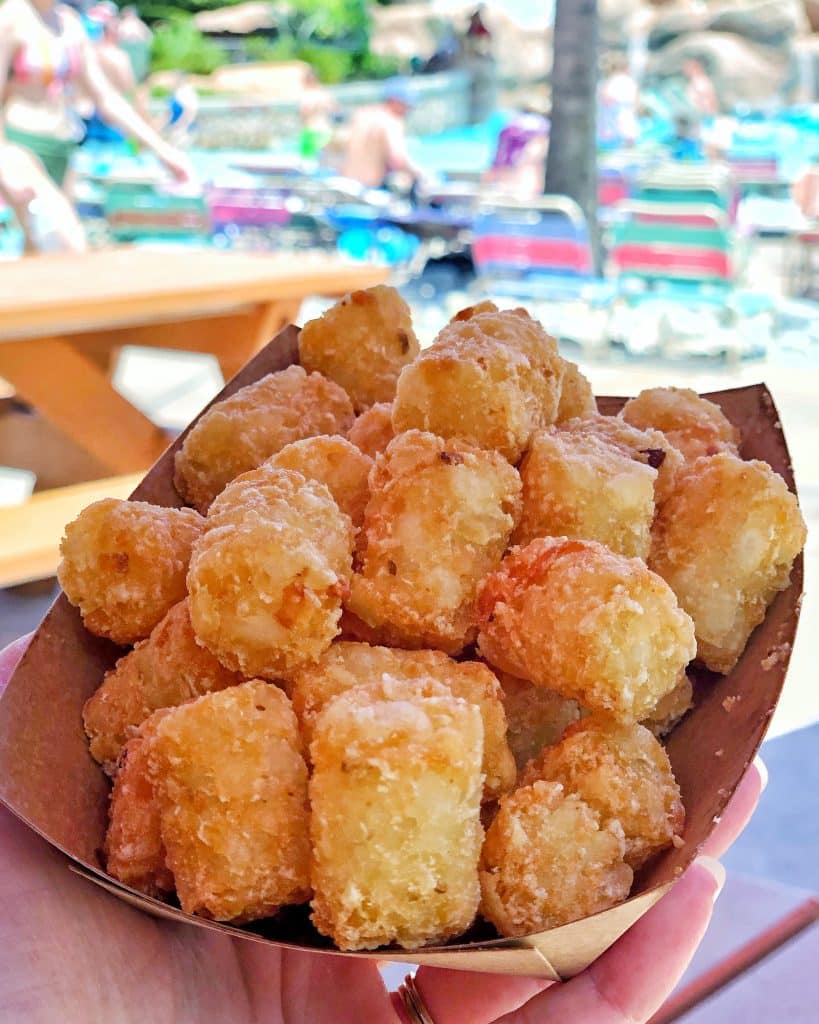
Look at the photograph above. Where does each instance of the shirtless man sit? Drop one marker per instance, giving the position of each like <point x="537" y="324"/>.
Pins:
<point x="377" y="141"/>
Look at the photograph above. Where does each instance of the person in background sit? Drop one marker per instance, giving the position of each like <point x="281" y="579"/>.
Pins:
<point x="617" y="101"/>
<point x="377" y="141"/>
<point x="700" y="91"/>
<point x="519" y="164"/>
<point x="135" y="38"/>
<point x="806" y="193"/>
<point x="183" y="106"/>
<point x="45" y="58"/>
<point x="102" y="27"/>
<point x="685" y="142"/>
<point x="316" y="110"/>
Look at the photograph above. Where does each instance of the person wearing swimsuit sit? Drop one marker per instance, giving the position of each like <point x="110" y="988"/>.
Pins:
<point x="45" y="56"/>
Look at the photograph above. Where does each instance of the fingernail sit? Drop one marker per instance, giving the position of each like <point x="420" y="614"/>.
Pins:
<point x="762" y="768"/>
<point x="715" y="869"/>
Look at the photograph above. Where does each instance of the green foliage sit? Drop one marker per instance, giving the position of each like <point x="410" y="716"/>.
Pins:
<point x="178" y="45"/>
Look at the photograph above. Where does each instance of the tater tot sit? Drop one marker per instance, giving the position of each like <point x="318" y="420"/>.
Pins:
<point x="335" y="462"/>
<point x="692" y="424"/>
<point x="124" y="563"/>
<point x="548" y="860"/>
<point x="623" y="773"/>
<point x="240" y="432"/>
<point x="576" y="396"/>
<point x="577" y="485"/>
<point x="167" y="669"/>
<point x="490" y="380"/>
<point x="670" y="709"/>
<point x="596" y="627"/>
<point x="536" y="717"/>
<point x="231" y="784"/>
<point x="346" y="666"/>
<point x="134" y="851"/>
<point x="362" y="343"/>
<point x="372" y="430"/>
<point x="725" y="542"/>
<point x="439" y="518"/>
<point x="395" y="796"/>
<point x="647" y="446"/>
<point x="267" y="578"/>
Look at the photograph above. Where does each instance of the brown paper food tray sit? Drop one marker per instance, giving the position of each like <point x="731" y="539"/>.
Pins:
<point x="49" y="780"/>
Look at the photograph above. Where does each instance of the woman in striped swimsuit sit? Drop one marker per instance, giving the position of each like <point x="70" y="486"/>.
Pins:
<point x="45" y="56"/>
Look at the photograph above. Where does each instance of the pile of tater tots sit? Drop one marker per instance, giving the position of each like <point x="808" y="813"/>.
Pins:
<point x="409" y="652"/>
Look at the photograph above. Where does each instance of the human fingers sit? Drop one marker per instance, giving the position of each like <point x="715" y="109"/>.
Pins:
<point x="632" y="979"/>
<point x="289" y="986"/>
<point x="10" y="656"/>
<point x="738" y="811"/>
<point x="454" y="997"/>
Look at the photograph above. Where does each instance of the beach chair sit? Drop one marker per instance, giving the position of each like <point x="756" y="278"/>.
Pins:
<point x="675" y="267"/>
<point x="539" y="251"/>
<point x="140" y="212"/>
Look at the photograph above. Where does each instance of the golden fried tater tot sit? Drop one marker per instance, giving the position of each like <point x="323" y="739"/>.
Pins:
<point x="484" y="306"/>
<point x="692" y="424"/>
<point x="346" y="666"/>
<point x="124" y="565"/>
<point x="395" y="796"/>
<point x="372" y="430"/>
<point x="490" y="380"/>
<point x="439" y="518"/>
<point x="623" y="773"/>
<point x="240" y="432"/>
<point x="335" y="462"/>
<point x="594" y="626"/>
<point x="267" y="579"/>
<point x="362" y="343"/>
<point x="577" y="485"/>
<point x="668" y="711"/>
<point x="576" y="396"/>
<point x="167" y="669"/>
<point x="725" y="544"/>
<point x="548" y="860"/>
<point x="536" y="716"/>
<point x="134" y="852"/>
<point x="231" y="784"/>
<point x="647" y="446"/>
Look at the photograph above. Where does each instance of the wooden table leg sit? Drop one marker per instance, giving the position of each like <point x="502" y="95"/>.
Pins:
<point x="233" y="338"/>
<point x="74" y="394"/>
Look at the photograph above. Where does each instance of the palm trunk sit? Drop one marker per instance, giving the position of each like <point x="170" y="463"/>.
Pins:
<point x="571" y="165"/>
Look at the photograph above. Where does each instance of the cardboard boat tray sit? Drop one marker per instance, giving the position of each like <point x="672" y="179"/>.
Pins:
<point x="48" y="779"/>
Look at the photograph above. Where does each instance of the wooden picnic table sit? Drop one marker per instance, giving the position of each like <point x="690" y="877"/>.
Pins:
<point x="63" y="317"/>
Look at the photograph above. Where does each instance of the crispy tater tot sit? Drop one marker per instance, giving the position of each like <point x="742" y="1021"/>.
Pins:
<point x="167" y="669"/>
<point x="372" y="430"/>
<point x="362" y="343"/>
<point x="578" y="485"/>
<point x="231" y="784"/>
<point x="484" y="306"/>
<point x="490" y="380"/>
<point x="576" y="396"/>
<point x="536" y="716"/>
<point x="134" y="852"/>
<point x="124" y="564"/>
<point x="335" y="462"/>
<point x="647" y="446"/>
<point x="548" y="860"/>
<point x="668" y="711"/>
<point x="267" y="579"/>
<point x="439" y="518"/>
<point x="240" y="432"/>
<point x="596" y="627"/>
<point x="346" y="666"/>
<point x="691" y="423"/>
<point x="623" y="773"/>
<point x="395" y="796"/>
<point x="725" y="542"/>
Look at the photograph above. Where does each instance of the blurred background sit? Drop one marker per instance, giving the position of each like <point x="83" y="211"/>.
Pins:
<point x="180" y="180"/>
